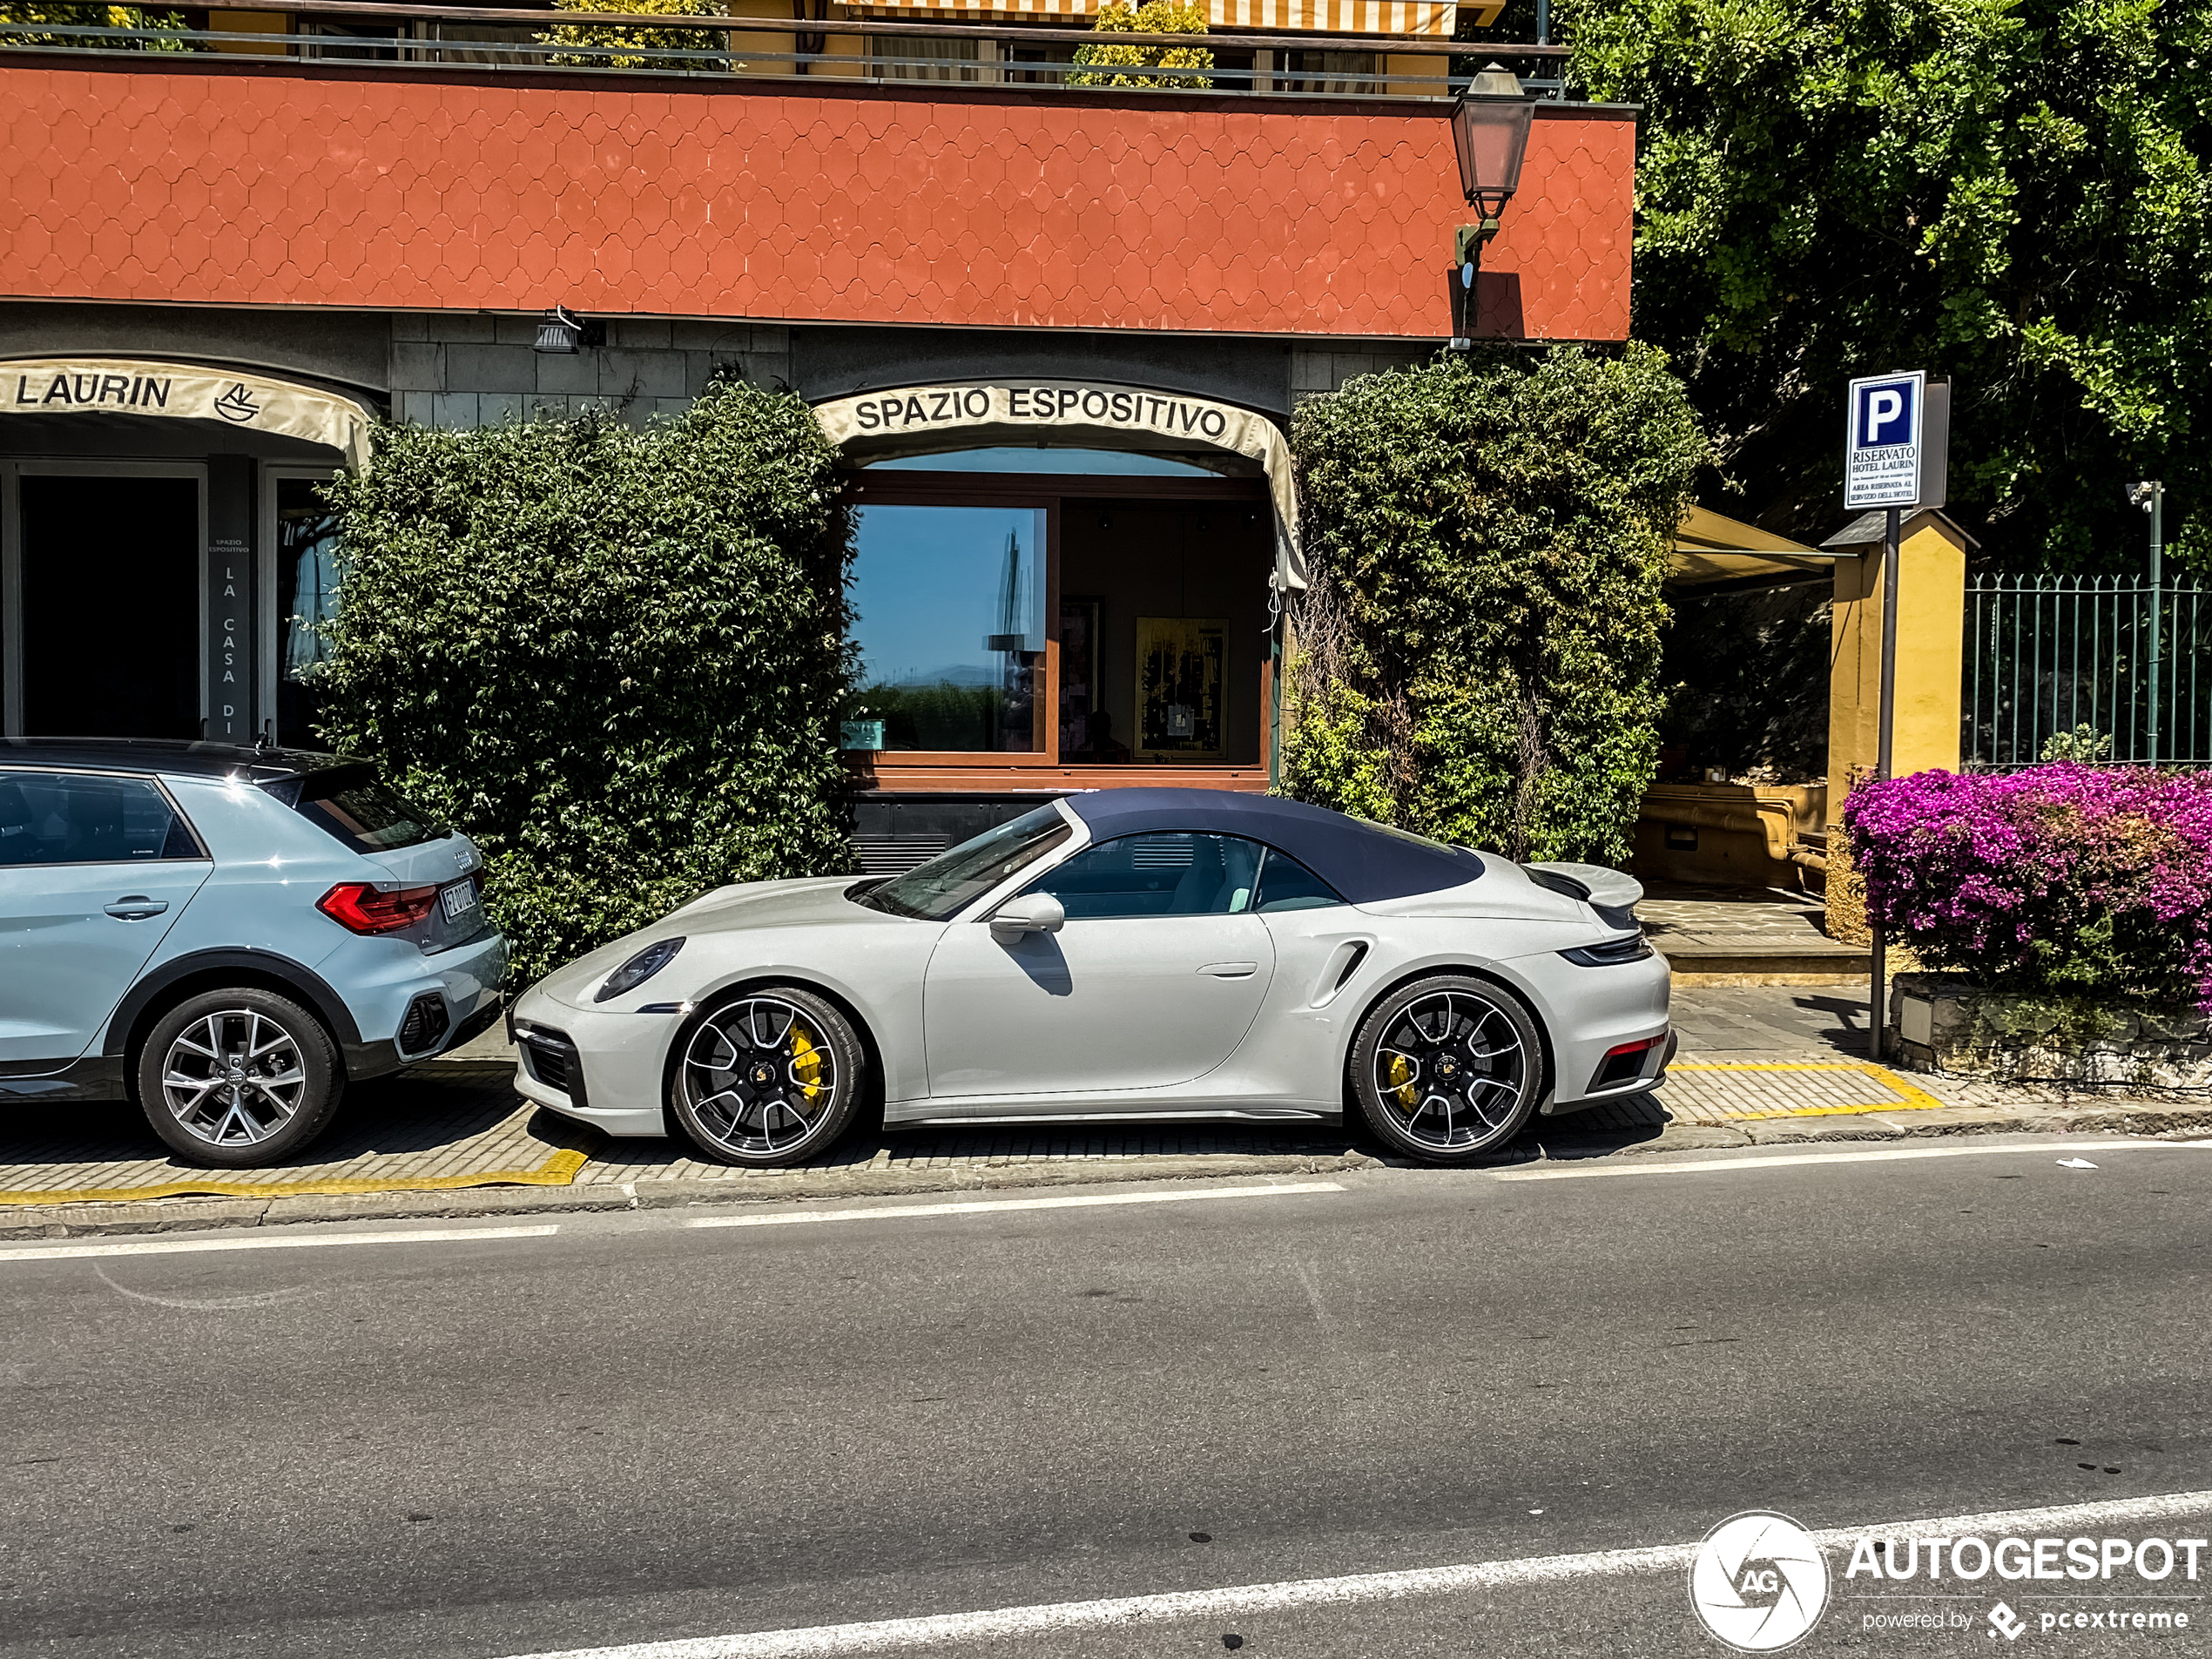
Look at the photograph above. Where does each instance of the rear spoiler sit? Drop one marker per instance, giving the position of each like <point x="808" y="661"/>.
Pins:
<point x="1604" y="889"/>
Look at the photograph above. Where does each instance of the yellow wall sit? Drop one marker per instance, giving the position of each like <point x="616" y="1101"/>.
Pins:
<point x="746" y="43"/>
<point x="1931" y="625"/>
<point x="1400" y="63"/>
<point x="251" y="23"/>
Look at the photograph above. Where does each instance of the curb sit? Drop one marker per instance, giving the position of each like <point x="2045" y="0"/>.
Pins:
<point x="194" y="1214"/>
<point x="183" y="1215"/>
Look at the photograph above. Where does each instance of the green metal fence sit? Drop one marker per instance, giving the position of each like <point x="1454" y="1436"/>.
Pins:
<point x="2048" y="656"/>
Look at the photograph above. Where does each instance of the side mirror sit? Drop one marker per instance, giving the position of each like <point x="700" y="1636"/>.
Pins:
<point x="1033" y="913"/>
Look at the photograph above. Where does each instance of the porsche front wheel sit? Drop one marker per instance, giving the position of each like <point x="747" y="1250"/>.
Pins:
<point x="768" y="1079"/>
<point x="1448" y="1068"/>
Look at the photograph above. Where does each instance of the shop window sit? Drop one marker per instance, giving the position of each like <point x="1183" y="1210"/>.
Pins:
<point x="908" y="59"/>
<point x="309" y="567"/>
<point x="949" y="620"/>
<point x="1311" y="71"/>
<point x="1038" y="65"/>
<point x="1171" y="874"/>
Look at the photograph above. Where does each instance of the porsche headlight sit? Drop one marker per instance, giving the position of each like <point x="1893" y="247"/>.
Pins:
<point x="639" y="968"/>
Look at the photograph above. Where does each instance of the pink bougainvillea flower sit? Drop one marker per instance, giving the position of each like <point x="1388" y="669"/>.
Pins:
<point x="2065" y="878"/>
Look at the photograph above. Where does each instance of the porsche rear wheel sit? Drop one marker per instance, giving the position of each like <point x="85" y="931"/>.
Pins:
<point x="769" y="1078"/>
<point x="1448" y="1068"/>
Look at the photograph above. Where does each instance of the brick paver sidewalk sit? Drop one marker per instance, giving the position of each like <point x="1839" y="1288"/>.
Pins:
<point x="1757" y="1065"/>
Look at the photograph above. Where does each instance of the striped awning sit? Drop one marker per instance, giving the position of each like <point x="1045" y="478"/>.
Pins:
<point x="1433" y="18"/>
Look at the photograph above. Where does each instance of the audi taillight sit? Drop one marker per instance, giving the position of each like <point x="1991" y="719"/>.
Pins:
<point x="360" y="908"/>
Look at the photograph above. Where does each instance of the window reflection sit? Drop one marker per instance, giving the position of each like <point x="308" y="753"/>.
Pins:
<point x="950" y="624"/>
<point x="309" y="567"/>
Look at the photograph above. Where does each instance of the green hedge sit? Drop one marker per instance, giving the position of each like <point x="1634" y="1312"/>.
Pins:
<point x="1478" y="657"/>
<point x="612" y="656"/>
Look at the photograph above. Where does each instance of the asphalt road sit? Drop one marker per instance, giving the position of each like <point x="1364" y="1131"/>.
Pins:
<point x="631" y="1429"/>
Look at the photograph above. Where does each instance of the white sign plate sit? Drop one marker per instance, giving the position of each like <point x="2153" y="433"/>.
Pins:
<point x="1882" y="446"/>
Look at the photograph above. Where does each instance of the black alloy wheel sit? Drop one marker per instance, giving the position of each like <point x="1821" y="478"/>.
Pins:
<point x="1448" y="1068"/>
<point x="768" y="1079"/>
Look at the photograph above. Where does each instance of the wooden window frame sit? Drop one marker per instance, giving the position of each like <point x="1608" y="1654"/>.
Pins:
<point x="1047" y="491"/>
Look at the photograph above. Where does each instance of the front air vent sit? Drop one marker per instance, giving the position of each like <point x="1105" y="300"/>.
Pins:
<point x="1350" y="965"/>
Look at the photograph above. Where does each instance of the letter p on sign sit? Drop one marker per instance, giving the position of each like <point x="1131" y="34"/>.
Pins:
<point x="1882" y="441"/>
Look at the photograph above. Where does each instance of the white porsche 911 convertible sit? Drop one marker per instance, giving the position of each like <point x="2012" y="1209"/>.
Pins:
<point x="1129" y="953"/>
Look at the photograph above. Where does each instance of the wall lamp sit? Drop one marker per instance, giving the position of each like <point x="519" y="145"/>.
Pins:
<point x="1490" y="132"/>
<point x="561" y="333"/>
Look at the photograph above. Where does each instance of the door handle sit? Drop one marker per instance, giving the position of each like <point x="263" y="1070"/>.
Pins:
<point x="1231" y="970"/>
<point x="136" y="907"/>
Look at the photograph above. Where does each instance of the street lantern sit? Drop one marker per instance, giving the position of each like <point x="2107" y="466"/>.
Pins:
<point x="1490" y="132"/>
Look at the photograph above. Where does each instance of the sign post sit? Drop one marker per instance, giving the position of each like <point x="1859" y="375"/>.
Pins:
<point x="1884" y="447"/>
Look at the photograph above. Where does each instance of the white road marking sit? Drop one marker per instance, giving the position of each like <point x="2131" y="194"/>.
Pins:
<point x="1087" y="1202"/>
<point x="255" y="1241"/>
<point x="997" y="1623"/>
<point x="1886" y="1154"/>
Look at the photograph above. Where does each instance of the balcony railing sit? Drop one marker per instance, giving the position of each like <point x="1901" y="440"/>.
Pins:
<point x="846" y="50"/>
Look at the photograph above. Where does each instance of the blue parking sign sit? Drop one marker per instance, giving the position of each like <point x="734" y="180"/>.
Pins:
<point x="1882" y="446"/>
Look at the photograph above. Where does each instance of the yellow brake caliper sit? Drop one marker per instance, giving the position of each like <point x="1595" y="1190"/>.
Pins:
<point x="805" y="1064"/>
<point x="1402" y="1082"/>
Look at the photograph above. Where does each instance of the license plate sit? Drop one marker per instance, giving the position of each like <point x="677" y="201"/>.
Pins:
<point x="459" y="900"/>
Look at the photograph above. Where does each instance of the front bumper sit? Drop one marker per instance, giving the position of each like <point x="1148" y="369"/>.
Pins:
<point x="598" y="1067"/>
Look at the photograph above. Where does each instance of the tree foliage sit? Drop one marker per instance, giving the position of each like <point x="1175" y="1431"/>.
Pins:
<point x="1153" y="18"/>
<point x="612" y="656"/>
<point x="20" y="22"/>
<point x="610" y="47"/>
<point x="1478" y="657"/>
<point x="2014" y="192"/>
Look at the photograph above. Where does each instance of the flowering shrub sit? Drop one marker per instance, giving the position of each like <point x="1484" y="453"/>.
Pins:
<point x="2064" y="878"/>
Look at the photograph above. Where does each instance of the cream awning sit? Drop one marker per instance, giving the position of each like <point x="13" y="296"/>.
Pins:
<point x="1710" y="549"/>
<point x="184" y="392"/>
<point x="1433" y="18"/>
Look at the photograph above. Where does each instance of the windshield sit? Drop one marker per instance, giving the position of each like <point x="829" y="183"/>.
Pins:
<point x="942" y="888"/>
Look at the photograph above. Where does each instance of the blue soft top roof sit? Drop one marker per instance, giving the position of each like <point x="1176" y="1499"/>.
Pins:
<point x="1361" y="860"/>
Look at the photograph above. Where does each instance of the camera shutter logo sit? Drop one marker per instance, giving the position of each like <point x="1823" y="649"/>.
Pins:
<point x="1758" y="1582"/>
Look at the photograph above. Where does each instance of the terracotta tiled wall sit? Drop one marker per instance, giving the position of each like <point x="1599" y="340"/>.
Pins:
<point x="276" y="185"/>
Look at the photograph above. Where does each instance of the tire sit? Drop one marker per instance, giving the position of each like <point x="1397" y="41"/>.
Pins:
<point x="768" y="1079"/>
<point x="1447" y="1068"/>
<point x="238" y="1079"/>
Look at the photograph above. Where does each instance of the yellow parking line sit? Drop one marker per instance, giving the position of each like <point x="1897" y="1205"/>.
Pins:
<point x="1911" y="1098"/>
<point x="559" y="1170"/>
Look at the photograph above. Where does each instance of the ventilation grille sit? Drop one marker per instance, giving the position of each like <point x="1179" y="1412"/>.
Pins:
<point x="894" y="855"/>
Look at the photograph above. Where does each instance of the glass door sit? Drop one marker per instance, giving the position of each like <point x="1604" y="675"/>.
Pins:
<point x="104" y="635"/>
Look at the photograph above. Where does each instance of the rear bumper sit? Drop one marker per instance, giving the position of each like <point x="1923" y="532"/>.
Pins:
<point x="1592" y="1011"/>
<point x="466" y="979"/>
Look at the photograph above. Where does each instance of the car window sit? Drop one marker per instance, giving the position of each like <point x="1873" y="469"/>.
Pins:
<point x="941" y="887"/>
<point x="1170" y="874"/>
<point x="1284" y="884"/>
<point x="361" y="810"/>
<point x="82" y="818"/>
